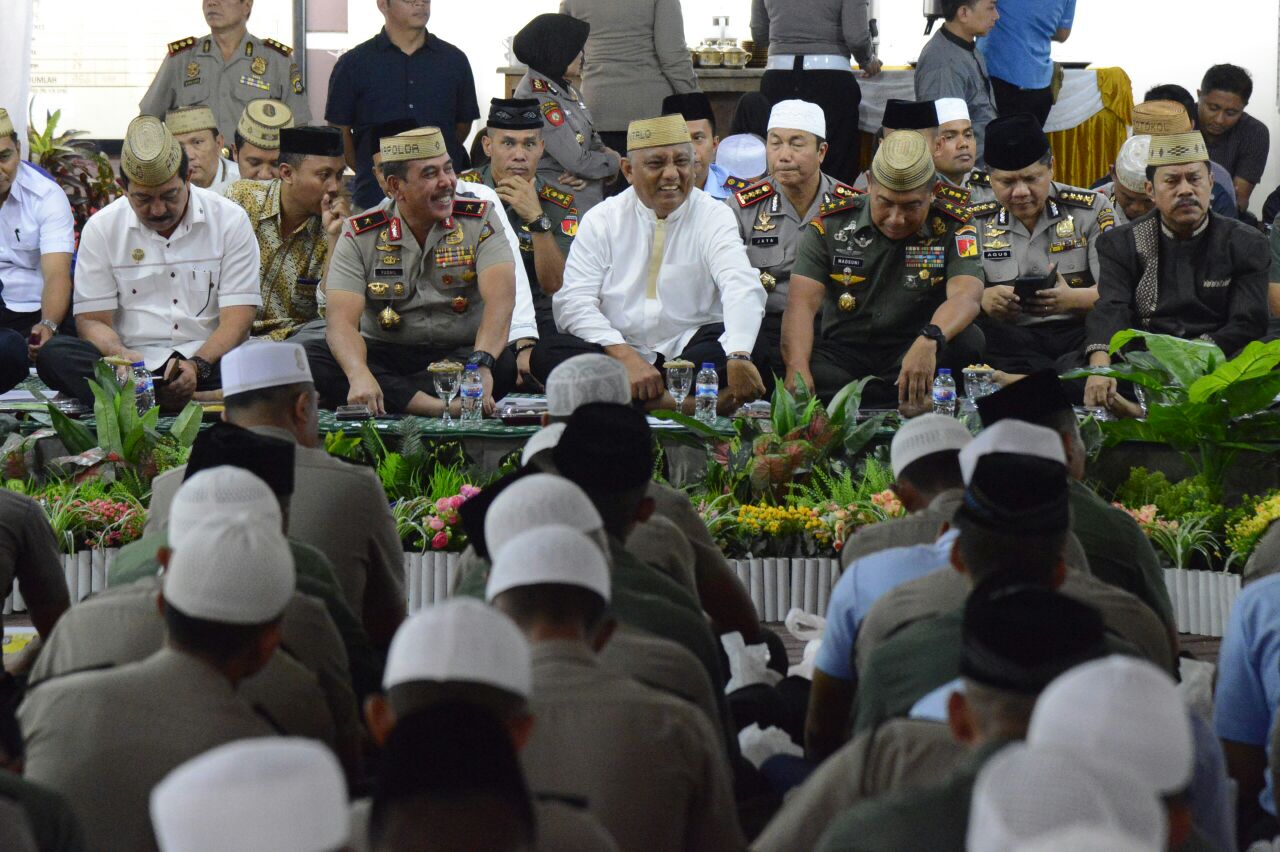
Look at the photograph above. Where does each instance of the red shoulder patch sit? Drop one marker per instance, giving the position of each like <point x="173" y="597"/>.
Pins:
<point x="754" y="194"/>
<point x="470" y="208"/>
<point x="176" y="47"/>
<point x="843" y="190"/>
<point x="368" y="221"/>
<point x="552" y="113"/>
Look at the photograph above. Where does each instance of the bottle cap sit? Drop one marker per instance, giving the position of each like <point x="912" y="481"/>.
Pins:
<point x="142" y="364"/>
<point x="944" y="371"/>
<point x="707" y="365"/>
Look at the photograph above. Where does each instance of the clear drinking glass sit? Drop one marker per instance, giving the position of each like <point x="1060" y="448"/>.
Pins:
<point x="679" y="381"/>
<point x="446" y="375"/>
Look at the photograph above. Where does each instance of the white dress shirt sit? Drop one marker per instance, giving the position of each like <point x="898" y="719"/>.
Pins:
<point x="34" y="220"/>
<point x="704" y="278"/>
<point x="228" y="173"/>
<point x="166" y="292"/>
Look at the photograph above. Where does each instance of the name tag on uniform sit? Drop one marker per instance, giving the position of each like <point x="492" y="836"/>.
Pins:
<point x="764" y="241"/>
<point x="1210" y="284"/>
<point x="382" y="272"/>
<point x="1067" y="245"/>
<point x="840" y="261"/>
<point x="997" y="254"/>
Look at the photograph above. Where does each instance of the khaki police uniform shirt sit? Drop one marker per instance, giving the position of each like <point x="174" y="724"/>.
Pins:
<point x="571" y="142"/>
<point x="105" y="739"/>
<point x="29" y="553"/>
<point x="770" y="227"/>
<point x="879" y="291"/>
<point x="434" y="288"/>
<point x="193" y="74"/>
<point x="645" y="763"/>
<point x="1065" y="234"/>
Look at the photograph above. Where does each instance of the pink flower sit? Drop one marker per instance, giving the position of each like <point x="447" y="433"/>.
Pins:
<point x="441" y="541"/>
<point x="456" y="500"/>
<point x="469" y="491"/>
<point x="436" y="524"/>
<point x="442" y="505"/>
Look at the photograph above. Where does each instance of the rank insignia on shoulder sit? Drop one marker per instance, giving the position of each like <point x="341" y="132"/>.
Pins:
<point x="1077" y="197"/>
<point x="836" y="206"/>
<point x="470" y="208"/>
<point x="470" y="177"/>
<point x="278" y="47"/>
<point x="956" y="211"/>
<point x="176" y="47"/>
<point x="978" y="211"/>
<point x="1106" y="221"/>
<point x="368" y="221"/>
<point x="942" y="189"/>
<point x="540" y="85"/>
<point x="753" y="194"/>
<point x="842" y="190"/>
<point x="735" y="183"/>
<point x="485" y="233"/>
<point x="979" y="178"/>
<point x="556" y="196"/>
<point x="818" y="226"/>
<point x="552" y="113"/>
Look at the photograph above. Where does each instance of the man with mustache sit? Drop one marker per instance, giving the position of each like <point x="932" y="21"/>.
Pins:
<point x="1180" y="269"/>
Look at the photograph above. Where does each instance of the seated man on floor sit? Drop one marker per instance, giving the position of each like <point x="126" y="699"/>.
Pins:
<point x="1180" y="270"/>
<point x="257" y="147"/>
<point x="897" y="278"/>
<point x="166" y="276"/>
<point x="1127" y="188"/>
<point x="429" y="278"/>
<point x="1039" y="229"/>
<point x="659" y="273"/>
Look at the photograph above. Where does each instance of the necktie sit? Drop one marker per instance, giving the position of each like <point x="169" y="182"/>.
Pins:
<point x="655" y="258"/>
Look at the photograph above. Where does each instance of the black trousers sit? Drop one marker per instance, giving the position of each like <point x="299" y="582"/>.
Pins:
<point x="838" y="94"/>
<point x="704" y="347"/>
<point x="401" y="371"/>
<point x="1011" y="100"/>
<point x="66" y="364"/>
<point x="15" y="328"/>
<point x="1024" y="349"/>
<point x="834" y="364"/>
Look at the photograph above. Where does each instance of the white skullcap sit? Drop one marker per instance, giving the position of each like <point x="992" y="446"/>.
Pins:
<point x="1012" y="436"/>
<point x="799" y="115"/>
<point x="460" y="639"/>
<point x="742" y="156"/>
<point x="585" y="379"/>
<point x="1086" y="838"/>
<point x="536" y="501"/>
<point x="549" y="554"/>
<point x="1024" y="792"/>
<point x="1119" y="711"/>
<point x="923" y="435"/>
<point x="263" y="364"/>
<point x="219" y="491"/>
<point x="1131" y="163"/>
<point x="267" y="794"/>
<point x="951" y="109"/>
<point x="545" y="438"/>
<point x="233" y="569"/>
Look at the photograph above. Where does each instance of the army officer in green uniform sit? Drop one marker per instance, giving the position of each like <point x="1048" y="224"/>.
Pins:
<point x="897" y="277"/>
<point x="427" y="278"/>
<point x="1036" y="225"/>
<point x="543" y="217"/>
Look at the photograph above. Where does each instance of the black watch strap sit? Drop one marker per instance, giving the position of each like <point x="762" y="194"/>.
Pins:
<point x="203" y="368"/>
<point x="935" y="334"/>
<point x="541" y="225"/>
<point x="480" y="358"/>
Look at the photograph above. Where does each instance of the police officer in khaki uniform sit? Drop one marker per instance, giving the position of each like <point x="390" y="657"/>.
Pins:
<point x="428" y="278"/>
<point x="543" y="218"/>
<point x="225" y="70"/>
<point x="772" y="213"/>
<point x="1036" y="226"/>
<point x="896" y="276"/>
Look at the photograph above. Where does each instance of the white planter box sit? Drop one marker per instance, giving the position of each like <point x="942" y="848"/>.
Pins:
<point x="779" y="585"/>
<point x="1202" y="600"/>
<point x="429" y="578"/>
<point x="85" y="572"/>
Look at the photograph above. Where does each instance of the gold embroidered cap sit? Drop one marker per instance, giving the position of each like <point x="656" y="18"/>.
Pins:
<point x="903" y="162"/>
<point x="1178" y="149"/>
<point x="421" y="143"/>
<point x="656" y="132"/>
<point x="6" y="125"/>
<point x="261" y="122"/>
<point x="150" y="155"/>
<point x="1161" y="118"/>
<point x="191" y="119"/>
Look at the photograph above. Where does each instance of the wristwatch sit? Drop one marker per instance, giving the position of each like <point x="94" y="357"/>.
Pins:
<point x="203" y="368"/>
<point x="541" y="225"/>
<point x="480" y="358"/>
<point x="935" y="334"/>
<point x="49" y="324"/>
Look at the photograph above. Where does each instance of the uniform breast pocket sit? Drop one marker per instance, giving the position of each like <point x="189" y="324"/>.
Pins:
<point x="765" y="256"/>
<point x="193" y="92"/>
<point x="141" y="288"/>
<point x="199" y="291"/>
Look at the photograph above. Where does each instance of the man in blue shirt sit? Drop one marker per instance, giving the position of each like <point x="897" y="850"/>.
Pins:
<point x="403" y="71"/>
<point x="1017" y="52"/>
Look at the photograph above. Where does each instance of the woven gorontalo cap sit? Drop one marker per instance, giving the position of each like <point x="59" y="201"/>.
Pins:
<point x="1161" y="118"/>
<point x="421" y="143"/>
<point x="261" y="122"/>
<point x="150" y="155"/>
<point x="656" y="132"/>
<point x="1178" y="149"/>
<point x="6" y="125"/>
<point x="903" y="162"/>
<point x="190" y="119"/>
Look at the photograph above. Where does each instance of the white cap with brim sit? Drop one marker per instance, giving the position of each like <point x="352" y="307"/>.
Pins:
<point x="235" y="569"/>
<point x="742" y="155"/>
<point x="1121" y="712"/>
<point x="925" y="435"/>
<point x="554" y="554"/>
<point x="460" y="640"/>
<point x="1131" y="163"/>
<point x="585" y="379"/>
<point x="544" y="439"/>
<point x="218" y="492"/>
<point x="267" y="794"/>
<point x="264" y="364"/>
<point x="536" y="501"/>
<point x="799" y="115"/>
<point x="951" y="109"/>
<point x="1016" y="437"/>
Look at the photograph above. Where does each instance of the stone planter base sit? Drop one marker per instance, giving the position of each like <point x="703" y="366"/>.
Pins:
<point x="429" y="578"/>
<point x="778" y="585"/>
<point x="1202" y="600"/>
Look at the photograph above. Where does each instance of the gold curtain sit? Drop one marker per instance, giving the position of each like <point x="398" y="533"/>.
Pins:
<point x="1085" y="152"/>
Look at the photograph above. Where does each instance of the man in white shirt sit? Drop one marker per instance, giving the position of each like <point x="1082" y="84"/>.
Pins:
<point x="37" y="239"/>
<point x="167" y="275"/>
<point x="196" y="130"/>
<point x="659" y="272"/>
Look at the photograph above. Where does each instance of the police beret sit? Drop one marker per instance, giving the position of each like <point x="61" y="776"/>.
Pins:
<point x="1014" y="142"/>
<point x="909" y="115"/>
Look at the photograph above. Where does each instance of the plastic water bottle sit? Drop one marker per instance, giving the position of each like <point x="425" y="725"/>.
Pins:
<point x="944" y="393"/>
<point x="144" y="389"/>
<point x="471" y="392"/>
<point x="706" y="393"/>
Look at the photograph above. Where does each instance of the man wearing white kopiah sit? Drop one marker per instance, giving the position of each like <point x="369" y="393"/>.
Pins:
<point x="657" y="273"/>
<point x="955" y="151"/>
<point x="267" y="794"/>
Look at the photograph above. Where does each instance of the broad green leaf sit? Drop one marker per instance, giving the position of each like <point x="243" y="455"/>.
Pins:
<point x="847" y="402"/>
<point x="104" y="413"/>
<point x="857" y="437"/>
<point x="782" y="410"/>
<point x="1259" y="427"/>
<point x="186" y="425"/>
<point x="1116" y="431"/>
<point x="105" y="376"/>
<point x="1185" y="426"/>
<point x="134" y="442"/>
<point x="1251" y="395"/>
<point x="1258" y="359"/>
<point x="1123" y="372"/>
<point x="75" y="436"/>
<point x="127" y="414"/>
<point x="1185" y="360"/>
<point x="696" y="426"/>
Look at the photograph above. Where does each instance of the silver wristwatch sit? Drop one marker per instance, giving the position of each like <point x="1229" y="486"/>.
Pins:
<point x="49" y="324"/>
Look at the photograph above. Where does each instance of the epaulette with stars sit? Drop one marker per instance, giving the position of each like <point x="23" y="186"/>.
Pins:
<point x="753" y="194"/>
<point x="977" y="211"/>
<point x="735" y="183"/>
<point x="368" y="221"/>
<point x="556" y="196"/>
<point x="956" y="211"/>
<point x="843" y="190"/>
<point x="176" y="47"/>
<point x="979" y="178"/>
<point x="836" y="205"/>
<point x="471" y="177"/>
<point x="470" y="208"/>
<point x="942" y="189"/>
<point x="1078" y="197"/>
<point x="278" y="47"/>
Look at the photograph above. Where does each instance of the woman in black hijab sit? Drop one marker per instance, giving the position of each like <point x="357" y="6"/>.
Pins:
<point x="575" y="159"/>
